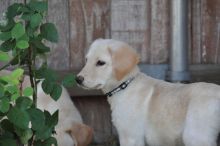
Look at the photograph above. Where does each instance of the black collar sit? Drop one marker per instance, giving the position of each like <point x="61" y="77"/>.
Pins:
<point x="122" y="86"/>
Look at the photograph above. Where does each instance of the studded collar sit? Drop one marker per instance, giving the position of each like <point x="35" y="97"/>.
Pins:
<point x="122" y="86"/>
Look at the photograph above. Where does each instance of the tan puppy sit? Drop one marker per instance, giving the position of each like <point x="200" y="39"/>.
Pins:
<point x="70" y="129"/>
<point x="147" y="110"/>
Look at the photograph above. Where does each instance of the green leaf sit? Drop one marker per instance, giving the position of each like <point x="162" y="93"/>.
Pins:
<point x="44" y="133"/>
<point x="37" y="118"/>
<point x="30" y="32"/>
<point x="50" y="141"/>
<point x="6" y="135"/>
<point x="8" y="142"/>
<point x="18" y="31"/>
<point x="14" y="77"/>
<point x="23" y="103"/>
<point x="50" y="75"/>
<point x="12" y="10"/>
<point x="24" y="9"/>
<point x="12" y="89"/>
<point x="2" y="91"/>
<point x="17" y="73"/>
<point x="24" y="38"/>
<point x="4" y="36"/>
<point x="15" y="96"/>
<point x="47" y="86"/>
<point x="24" y="135"/>
<point x="69" y="80"/>
<point x="41" y="48"/>
<point x="56" y="92"/>
<point x="38" y="143"/>
<point x="7" y="125"/>
<point x="19" y="118"/>
<point x="28" y="91"/>
<point x="10" y="24"/>
<point x="4" y="57"/>
<point x="49" y="32"/>
<point x="35" y="20"/>
<point x="4" y="105"/>
<point x="40" y="73"/>
<point x="39" y="6"/>
<point x="26" y="16"/>
<point x="22" y="44"/>
<point x="7" y="45"/>
<point x="51" y="120"/>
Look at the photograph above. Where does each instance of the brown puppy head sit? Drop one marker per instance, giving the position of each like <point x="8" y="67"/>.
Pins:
<point x="81" y="133"/>
<point x="124" y="59"/>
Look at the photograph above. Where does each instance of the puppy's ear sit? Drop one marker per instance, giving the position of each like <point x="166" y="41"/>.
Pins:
<point x="81" y="133"/>
<point x="124" y="59"/>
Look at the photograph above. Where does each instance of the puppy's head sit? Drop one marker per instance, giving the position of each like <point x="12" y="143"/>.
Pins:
<point x="106" y="59"/>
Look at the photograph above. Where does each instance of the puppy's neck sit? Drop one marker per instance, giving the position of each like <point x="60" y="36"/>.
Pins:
<point x="113" y="82"/>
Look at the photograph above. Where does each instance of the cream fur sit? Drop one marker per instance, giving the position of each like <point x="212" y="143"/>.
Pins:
<point x="70" y="130"/>
<point x="154" y="111"/>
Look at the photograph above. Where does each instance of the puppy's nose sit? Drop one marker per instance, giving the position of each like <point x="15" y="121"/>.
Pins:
<point x="79" y="79"/>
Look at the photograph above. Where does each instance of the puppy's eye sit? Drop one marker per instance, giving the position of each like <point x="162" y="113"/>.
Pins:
<point x="100" y="63"/>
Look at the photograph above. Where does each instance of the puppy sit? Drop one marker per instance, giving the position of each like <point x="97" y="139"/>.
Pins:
<point x="70" y="130"/>
<point x="148" y="110"/>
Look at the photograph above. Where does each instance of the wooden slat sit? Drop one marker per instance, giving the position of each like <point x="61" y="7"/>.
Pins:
<point x="210" y="31"/>
<point x="195" y="32"/>
<point x="97" y="17"/>
<point x="145" y="55"/>
<point x="88" y="20"/>
<point x="128" y="23"/>
<point x="77" y="34"/>
<point x="144" y="24"/>
<point x="160" y="19"/>
<point x="58" y="13"/>
<point x="3" y="7"/>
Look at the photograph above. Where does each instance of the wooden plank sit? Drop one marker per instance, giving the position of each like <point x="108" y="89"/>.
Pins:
<point x="88" y="20"/>
<point x="128" y="15"/>
<point x="129" y="23"/>
<point x="160" y="38"/>
<point x="58" y="13"/>
<point x="196" y="32"/>
<point x="3" y="7"/>
<point x="147" y="34"/>
<point x="77" y="34"/>
<point x="95" y="112"/>
<point x="144" y="24"/>
<point x="210" y="31"/>
<point x="97" y="17"/>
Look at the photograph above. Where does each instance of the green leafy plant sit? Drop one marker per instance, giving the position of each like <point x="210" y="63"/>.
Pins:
<point x="23" y="37"/>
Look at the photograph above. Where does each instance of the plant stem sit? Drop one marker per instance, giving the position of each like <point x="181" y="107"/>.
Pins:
<point x="33" y="85"/>
<point x="32" y="76"/>
<point x="21" y="86"/>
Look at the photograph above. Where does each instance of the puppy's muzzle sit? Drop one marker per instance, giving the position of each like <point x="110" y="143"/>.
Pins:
<point x="79" y="80"/>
